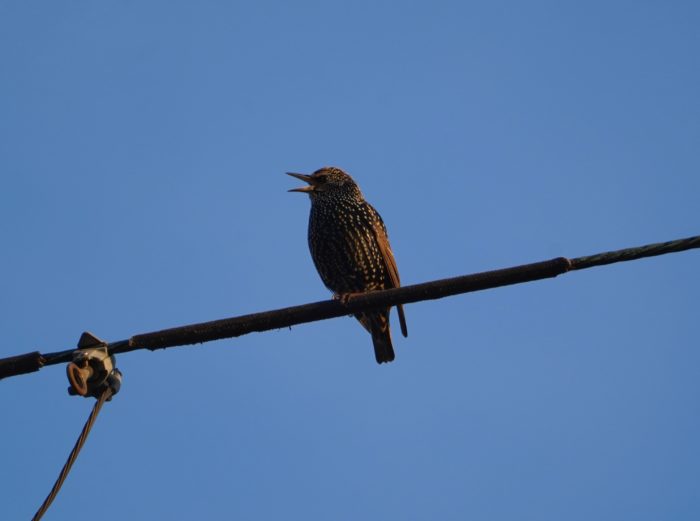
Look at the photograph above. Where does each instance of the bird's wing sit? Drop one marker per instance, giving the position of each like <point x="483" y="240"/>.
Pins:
<point x="389" y="263"/>
<point x="387" y="254"/>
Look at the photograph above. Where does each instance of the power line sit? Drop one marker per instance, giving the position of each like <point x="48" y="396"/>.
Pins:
<point x="104" y="396"/>
<point x="286" y="317"/>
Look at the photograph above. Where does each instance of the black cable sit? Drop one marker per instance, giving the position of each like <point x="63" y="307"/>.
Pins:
<point x="286" y="317"/>
<point x="106" y="394"/>
<point x="650" y="250"/>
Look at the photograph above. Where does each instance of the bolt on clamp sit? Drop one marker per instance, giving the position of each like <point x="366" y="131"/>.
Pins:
<point x="92" y="370"/>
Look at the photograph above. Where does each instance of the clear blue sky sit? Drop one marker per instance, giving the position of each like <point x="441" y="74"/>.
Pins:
<point x="142" y="148"/>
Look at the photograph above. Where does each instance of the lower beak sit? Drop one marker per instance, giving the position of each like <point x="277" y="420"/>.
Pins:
<point x="306" y="179"/>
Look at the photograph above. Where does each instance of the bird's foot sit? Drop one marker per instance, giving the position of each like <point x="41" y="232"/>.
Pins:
<point x="344" y="298"/>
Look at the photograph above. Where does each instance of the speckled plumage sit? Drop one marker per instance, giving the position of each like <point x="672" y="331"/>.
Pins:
<point x="350" y="248"/>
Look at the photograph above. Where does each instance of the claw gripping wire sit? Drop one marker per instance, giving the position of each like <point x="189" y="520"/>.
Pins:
<point x="91" y="373"/>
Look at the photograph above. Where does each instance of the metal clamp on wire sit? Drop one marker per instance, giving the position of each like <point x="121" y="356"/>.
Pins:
<point x="92" y="370"/>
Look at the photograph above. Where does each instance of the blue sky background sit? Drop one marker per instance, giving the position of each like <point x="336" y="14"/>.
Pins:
<point x="143" y="146"/>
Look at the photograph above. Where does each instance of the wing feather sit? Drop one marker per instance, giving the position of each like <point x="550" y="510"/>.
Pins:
<point x="389" y="263"/>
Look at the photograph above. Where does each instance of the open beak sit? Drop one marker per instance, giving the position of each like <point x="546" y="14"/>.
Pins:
<point x="306" y="179"/>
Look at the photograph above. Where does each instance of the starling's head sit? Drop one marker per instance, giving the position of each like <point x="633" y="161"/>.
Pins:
<point x="327" y="182"/>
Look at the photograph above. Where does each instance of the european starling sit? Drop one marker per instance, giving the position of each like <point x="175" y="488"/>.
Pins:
<point x="350" y="248"/>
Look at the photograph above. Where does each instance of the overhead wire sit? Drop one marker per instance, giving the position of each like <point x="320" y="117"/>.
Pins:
<point x="106" y="394"/>
<point x="291" y="316"/>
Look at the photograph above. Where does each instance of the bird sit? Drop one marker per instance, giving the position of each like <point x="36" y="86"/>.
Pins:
<point x="350" y="248"/>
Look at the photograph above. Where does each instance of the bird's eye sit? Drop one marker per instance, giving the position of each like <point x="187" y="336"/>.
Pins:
<point x="321" y="178"/>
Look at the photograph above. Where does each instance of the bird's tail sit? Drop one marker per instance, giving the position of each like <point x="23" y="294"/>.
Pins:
<point x="378" y="326"/>
<point x="381" y="337"/>
<point x="383" y="350"/>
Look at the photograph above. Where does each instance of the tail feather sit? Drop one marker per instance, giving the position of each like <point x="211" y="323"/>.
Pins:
<point x="383" y="350"/>
<point x="402" y="320"/>
<point x="378" y="326"/>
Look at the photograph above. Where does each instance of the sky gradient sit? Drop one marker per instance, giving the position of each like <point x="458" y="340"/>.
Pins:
<point x="143" y="149"/>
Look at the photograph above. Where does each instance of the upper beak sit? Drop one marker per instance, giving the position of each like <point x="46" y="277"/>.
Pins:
<point x="305" y="178"/>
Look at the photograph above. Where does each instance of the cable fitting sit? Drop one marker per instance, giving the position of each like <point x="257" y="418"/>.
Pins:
<point x="93" y="370"/>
